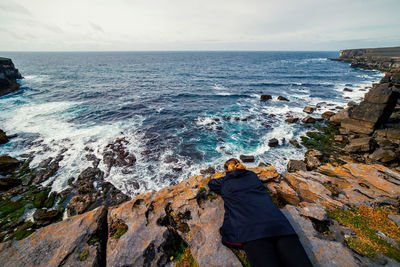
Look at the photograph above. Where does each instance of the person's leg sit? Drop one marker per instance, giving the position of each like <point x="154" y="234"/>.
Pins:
<point x="291" y="252"/>
<point x="262" y="253"/>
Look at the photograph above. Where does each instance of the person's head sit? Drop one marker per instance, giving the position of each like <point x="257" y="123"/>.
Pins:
<point x="233" y="165"/>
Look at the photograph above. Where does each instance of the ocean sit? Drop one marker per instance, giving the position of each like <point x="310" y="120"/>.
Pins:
<point x="177" y="112"/>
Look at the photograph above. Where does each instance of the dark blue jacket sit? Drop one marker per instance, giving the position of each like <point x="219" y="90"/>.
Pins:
<point x="250" y="213"/>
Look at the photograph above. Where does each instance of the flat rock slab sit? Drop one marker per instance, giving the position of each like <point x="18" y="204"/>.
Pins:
<point x="57" y="244"/>
<point x="322" y="253"/>
<point x="154" y="222"/>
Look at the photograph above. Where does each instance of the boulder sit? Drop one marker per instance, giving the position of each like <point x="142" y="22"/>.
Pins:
<point x="3" y="137"/>
<point x="247" y="158"/>
<point x="315" y="153"/>
<point x="296" y="165"/>
<point x="8" y="163"/>
<point x="338" y="138"/>
<point x="312" y="162"/>
<point x="308" y="110"/>
<point x="281" y="98"/>
<point x="328" y="114"/>
<point x="358" y="126"/>
<point x="347" y="89"/>
<point x="383" y="155"/>
<point x="75" y="241"/>
<point x="395" y="218"/>
<point x="8" y="76"/>
<point x="266" y="173"/>
<point x="292" y="120"/>
<point x="7" y="183"/>
<point x="309" y="119"/>
<point x="209" y="170"/>
<point x="341" y="115"/>
<point x="273" y="142"/>
<point x="381" y="94"/>
<point x="284" y="191"/>
<point x="359" y="145"/>
<point x="266" y="97"/>
<point x="44" y="217"/>
<point x="313" y="210"/>
<point x="294" y="143"/>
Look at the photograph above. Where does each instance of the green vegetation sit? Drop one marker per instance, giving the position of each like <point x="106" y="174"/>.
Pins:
<point x="120" y="232"/>
<point x="241" y="255"/>
<point x="93" y="240"/>
<point x="366" y="222"/>
<point x="83" y="255"/>
<point x="179" y="249"/>
<point x="203" y="189"/>
<point x="186" y="260"/>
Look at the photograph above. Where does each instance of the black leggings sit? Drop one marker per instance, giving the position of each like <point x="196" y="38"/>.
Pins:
<point x="280" y="251"/>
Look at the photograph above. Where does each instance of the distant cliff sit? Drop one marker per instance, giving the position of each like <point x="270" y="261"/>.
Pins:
<point x="383" y="59"/>
<point x="8" y="76"/>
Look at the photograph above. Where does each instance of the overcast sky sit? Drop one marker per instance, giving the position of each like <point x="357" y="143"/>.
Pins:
<point x="92" y="25"/>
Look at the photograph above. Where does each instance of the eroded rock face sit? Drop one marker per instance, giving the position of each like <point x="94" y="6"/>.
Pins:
<point x="186" y="212"/>
<point x="69" y="243"/>
<point x="8" y="76"/>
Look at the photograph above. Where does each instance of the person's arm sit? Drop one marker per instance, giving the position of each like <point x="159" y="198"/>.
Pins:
<point x="216" y="184"/>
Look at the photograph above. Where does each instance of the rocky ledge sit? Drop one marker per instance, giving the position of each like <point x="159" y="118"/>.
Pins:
<point x="345" y="216"/>
<point x="383" y="59"/>
<point x="8" y="76"/>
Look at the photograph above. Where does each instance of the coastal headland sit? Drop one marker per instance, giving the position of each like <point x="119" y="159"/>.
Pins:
<point x="343" y="199"/>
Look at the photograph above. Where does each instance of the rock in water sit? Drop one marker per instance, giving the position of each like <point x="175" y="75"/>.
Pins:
<point x="8" y="76"/>
<point x="247" y="158"/>
<point x="273" y="142"/>
<point x="73" y="242"/>
<point x="8" y="163"/>
<point x="281" y="98"/>
<point x="327" y="114"/>
<point x="309" y="119"/>
<point x="266" y="97"/>
<point x="3" y="137"/>
<point x="308" y="110"/>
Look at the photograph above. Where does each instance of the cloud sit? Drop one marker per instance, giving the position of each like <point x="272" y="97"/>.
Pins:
<point x="201" y="25"/>
<point x="96" y="27"/>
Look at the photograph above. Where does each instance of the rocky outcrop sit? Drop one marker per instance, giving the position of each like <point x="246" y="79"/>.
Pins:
<point x="182" y="222"/>
<point x="383" y="59"/>
<point x="76" y="241"/>
<point x="8" y="76"/>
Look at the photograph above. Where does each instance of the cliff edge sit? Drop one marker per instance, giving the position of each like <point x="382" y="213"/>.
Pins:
<point x="8" y="76"/>
<point x="383" y="59"/>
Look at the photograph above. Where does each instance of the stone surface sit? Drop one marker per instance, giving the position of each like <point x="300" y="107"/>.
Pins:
<point x="281" y="98"/>
<point x="8" y="76"/>
<point x="312" y="162"/>
<point x="322" y="253"/>
<point x="7" y="183"/>
<point x="308" y="110"/>
<point x="3" y="137"/>
<point x="266" y="97"/>
<point x="296" y="165"/>
<point x="338" y="138"/>
<point x="327" y="114"/>
<point x="247" y="158"/>
<point x="266" y="173"/>
<point x="395" y="218"/>
<point x="8" y="163"/>
<point x="309" y="119"/>
<point x="154" y="220"/>
<point x="359" y="145"/>
<point x="341" y="115"/>
<point x="273" y="142"/>
<point x="294" y="142"/>
<point x="58" y="244"/>
<point x="383" y="155"/>
<point x="313" y="210"/>
<point x="358" y="126"/>
<point x="284" y="191"/>
<point x="291" y="120"/>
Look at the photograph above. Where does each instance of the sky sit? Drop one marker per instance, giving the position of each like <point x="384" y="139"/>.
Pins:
<point x="168" y="25"/>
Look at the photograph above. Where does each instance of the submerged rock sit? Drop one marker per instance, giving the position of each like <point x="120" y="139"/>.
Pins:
<point x="266" y="97"/>
<point x="273" y="142"/>
<point x="8" y="163"/>
<point x="281" y="98"/>
<point x="247" y="158"/>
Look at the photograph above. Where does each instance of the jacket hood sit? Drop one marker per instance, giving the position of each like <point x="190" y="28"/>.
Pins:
<point x="235" y="174"/>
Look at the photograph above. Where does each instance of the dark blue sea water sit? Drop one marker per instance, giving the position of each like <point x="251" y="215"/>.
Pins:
<point x="169" y="104"/>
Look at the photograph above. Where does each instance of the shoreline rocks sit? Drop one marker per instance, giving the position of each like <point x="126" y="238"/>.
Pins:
<point x="8" y="76"/>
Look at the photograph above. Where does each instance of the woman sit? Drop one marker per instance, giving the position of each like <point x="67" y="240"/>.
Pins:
<point x="253" y="222"/>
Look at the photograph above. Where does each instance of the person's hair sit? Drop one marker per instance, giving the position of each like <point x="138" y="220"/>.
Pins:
<point x="233" y="165"/>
